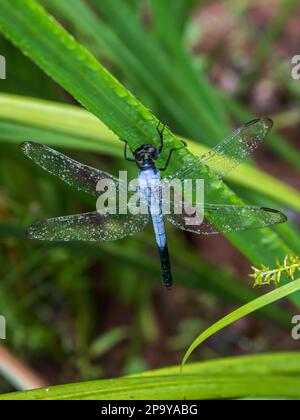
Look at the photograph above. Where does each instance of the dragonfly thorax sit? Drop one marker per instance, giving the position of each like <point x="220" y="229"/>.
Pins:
<point x="148" y="176"/>
<point x="146" y="154"/>
<point x="149" y="187"/>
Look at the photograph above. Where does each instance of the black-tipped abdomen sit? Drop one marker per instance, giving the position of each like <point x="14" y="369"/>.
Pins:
<point x="166" y="268"/>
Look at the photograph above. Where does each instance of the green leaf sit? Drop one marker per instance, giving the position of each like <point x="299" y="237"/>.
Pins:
<point x="245" y="310"/>
<point x="270" y="375"/>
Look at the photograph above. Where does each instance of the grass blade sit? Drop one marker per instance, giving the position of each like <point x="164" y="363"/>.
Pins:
<point x="245" y="310"/>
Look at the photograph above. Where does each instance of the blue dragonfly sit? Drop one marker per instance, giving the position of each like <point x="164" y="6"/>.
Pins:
<point x="94" y="226"/>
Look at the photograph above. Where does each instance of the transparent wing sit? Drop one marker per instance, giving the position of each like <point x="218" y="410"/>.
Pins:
<point x="88" y="227"/>
<point x="82" y="177"/>
<point x="233" y="150"/>
<point x="224" y="218"/>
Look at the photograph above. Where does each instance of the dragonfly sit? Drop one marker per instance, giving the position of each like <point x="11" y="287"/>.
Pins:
<point x="93" y="226"/>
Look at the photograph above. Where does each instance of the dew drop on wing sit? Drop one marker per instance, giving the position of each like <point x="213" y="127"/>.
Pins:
<point x="88" y="227"/>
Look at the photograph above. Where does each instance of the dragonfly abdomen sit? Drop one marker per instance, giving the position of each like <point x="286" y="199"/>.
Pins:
<point x="150" y="190"/>
<point x="166" y="268"/>
<point x="161" y="240"/>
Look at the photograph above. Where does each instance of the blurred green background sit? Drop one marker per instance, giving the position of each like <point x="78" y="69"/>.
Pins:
<point x="84" y="311"/>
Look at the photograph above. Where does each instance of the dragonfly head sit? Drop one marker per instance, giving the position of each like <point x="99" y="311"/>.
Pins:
<point x="146" y="152"/>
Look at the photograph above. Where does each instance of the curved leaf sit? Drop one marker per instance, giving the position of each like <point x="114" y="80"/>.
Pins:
<point x="245" y="310"/>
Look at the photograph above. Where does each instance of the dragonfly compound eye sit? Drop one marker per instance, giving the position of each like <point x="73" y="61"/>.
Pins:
<point x="146" y="150"/>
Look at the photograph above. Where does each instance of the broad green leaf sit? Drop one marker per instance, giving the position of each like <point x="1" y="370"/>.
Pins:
<point x="265" y="376"/>
<point x="245" y="310"/>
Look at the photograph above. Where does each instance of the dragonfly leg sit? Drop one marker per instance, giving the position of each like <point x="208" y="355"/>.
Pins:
<point x="125" y="153"/>
<point x="128" y="158"/>
<point x="184" y="146"/>
<point x="161" y="135"/>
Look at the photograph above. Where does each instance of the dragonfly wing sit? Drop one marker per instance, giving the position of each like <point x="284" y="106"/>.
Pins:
<point x="225" y="218"/>
<point x="235" y="148"/>
<point x="75" y="174"/>
<point x="88" y="227"/>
